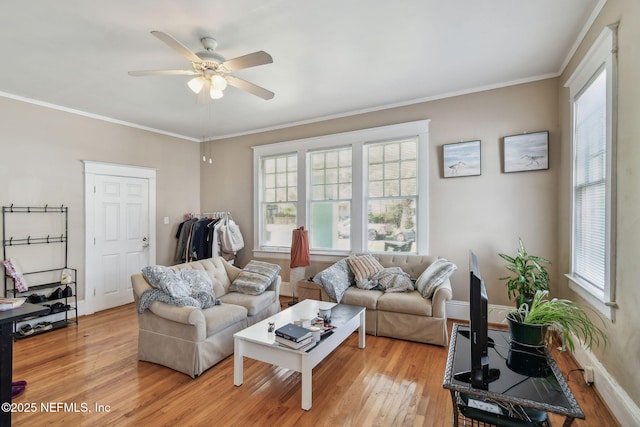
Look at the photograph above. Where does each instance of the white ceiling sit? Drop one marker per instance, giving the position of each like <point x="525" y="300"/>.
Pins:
<point x="331" y="57"/>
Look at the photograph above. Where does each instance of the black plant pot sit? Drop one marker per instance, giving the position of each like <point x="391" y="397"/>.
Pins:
<point x="525" y="333"/>
<point x="524" y="298"/>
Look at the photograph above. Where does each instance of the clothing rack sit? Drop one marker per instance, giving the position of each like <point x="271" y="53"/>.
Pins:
<point x="213" y="215"/>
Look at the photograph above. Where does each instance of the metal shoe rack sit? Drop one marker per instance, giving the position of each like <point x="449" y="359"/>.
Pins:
<point x="43" y="284"/>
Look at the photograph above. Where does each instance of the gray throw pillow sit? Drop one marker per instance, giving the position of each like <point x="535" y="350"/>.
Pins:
<point x="335" y="280"/>
<point x="166" y="280"/>
<point x="255" y="278"/>
<point x="434" y="276"/>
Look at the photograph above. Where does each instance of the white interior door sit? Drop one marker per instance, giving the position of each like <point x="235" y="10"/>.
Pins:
<point x="121" y="239"/>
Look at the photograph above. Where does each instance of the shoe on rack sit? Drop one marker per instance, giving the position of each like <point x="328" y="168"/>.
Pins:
<point x="57" y="294"/>
<point x="57" y="307"/>
<point x="25" y="330"/>
<point x="36" y="298"/>
<point x="68" y="292"/>
<point x="43" y="326"/>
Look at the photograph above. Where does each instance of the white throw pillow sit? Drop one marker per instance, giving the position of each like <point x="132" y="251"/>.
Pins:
<point x="434" y="276"/>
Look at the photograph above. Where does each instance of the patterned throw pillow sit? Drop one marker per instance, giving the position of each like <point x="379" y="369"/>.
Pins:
<point x="198" y="281"/>
<point x="434" y="276"/>
<point x="335" y="280"/>
<point x="393" y="279"/>
<point x="166" y="280"/>
<point x="255" y="278"/>
<point x="363" y="266"/>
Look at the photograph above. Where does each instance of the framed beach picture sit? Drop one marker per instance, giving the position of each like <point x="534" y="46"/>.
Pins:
<point x="461" y="159"/>
<point x="526" y="152"/>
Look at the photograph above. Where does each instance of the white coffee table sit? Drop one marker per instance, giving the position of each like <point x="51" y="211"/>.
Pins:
<point x="257" y="343"/>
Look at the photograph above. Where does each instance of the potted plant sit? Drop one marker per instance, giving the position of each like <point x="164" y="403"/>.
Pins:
<point x="530" y="275"/>
<point x="545" y="315"/>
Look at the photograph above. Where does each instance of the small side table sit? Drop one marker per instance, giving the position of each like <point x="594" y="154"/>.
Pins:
<point x="6" y="359"/>
<point x="308" y="290"/>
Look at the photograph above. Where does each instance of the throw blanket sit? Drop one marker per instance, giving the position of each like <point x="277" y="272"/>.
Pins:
<point x="391" y="279"/>
<point x="199" y="299"/>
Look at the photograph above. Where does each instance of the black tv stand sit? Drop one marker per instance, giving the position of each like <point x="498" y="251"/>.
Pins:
<point x="491" y="375"/>
<point x="490" y="342"/>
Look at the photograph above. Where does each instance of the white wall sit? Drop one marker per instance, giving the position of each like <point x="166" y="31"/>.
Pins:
<point x="41" y="163"/>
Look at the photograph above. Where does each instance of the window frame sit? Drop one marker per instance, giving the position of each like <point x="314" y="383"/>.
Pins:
<point x="601" y="56"/>
<point x="357" y="140"/>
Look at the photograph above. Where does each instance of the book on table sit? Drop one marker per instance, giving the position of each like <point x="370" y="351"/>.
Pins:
<point x="292" y="344"/>
<point x="9" y="303"/>
<point x="293" y="332"/>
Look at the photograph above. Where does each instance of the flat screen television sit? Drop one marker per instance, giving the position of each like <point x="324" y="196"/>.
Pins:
<point x="479" y="374"/>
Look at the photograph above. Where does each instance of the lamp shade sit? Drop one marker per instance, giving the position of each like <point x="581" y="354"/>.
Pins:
<point x="196" y="84"/>
<point x="216" y="94"/>
<point x="218" y="83"/>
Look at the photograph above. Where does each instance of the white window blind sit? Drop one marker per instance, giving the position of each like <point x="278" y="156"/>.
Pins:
<point x="590" y="191"/>
<point x="593" y="94"/>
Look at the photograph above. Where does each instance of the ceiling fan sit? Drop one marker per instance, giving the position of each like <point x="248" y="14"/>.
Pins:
<point x="212" y="71"/>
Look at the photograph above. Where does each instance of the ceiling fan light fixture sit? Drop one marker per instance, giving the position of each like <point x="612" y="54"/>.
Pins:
<point x="196" y="84"/>
<point x="218" y="83"/>
<point x="216" y="94"/>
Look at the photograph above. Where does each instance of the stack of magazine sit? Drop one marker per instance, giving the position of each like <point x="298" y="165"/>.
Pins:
<point x="294" y="336"/>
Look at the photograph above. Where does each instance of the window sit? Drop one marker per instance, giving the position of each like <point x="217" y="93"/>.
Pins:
<point x="391" y="195"/>
<point x="355" y="192"/>
<point x="279" y="196"/>
<point x="330" y="200"/>
<point x="592" y="92"/>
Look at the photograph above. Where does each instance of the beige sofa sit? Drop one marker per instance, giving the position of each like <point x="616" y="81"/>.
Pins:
<point x="403" y="315"/>
<point x="190" y="339"/>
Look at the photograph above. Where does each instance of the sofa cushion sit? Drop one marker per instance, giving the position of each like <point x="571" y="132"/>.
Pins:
<point x="434" y="276"/>
<point x="405" y="302"/>
<point x="362" y="297"/>
<point x="255" y="277"/>
<point x="335" y="279"/>
<point x="220" y="317"/>
<point x="363" y="267"/>
<point x="253" y="303"/>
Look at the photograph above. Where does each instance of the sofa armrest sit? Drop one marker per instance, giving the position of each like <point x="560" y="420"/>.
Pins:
<point x="442" y="294"/>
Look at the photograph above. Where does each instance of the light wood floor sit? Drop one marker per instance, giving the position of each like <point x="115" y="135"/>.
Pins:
<point x="94" y="364"/>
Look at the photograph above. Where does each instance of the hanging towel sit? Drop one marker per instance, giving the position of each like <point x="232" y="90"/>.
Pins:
<point x="300" y="248"/>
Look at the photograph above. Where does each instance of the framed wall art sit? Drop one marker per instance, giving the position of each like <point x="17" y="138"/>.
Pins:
<point x="526" y="152"/>
<point x="461" y="159"/>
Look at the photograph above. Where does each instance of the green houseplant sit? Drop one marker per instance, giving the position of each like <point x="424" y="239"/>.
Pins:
<point x="529" y="274"/>
<point x="561" y="315"/>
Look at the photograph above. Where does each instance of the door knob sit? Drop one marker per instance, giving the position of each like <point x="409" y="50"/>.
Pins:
<point x="145" y="242"/>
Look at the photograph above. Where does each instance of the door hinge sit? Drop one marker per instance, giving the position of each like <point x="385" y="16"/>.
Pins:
<point x="94" y="241"/>
<point x="94" y="189"/>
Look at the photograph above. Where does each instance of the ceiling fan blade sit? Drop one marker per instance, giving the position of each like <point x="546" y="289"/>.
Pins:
<point x="163" y="73"/>
<point x="250" y="87"/>
<point x="204" y="96"/>
<point x="177" y="46"/>
<point x="246" y="61"/>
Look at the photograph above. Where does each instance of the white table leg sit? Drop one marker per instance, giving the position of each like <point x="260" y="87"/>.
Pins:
<point x="362" y="330"/>
<point x="306" y="383"/>
<point x="238" y="362"/>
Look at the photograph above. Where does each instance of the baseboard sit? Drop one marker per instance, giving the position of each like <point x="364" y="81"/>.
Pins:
<point x="621" y="405"/>
<point x="286" y="289"/>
